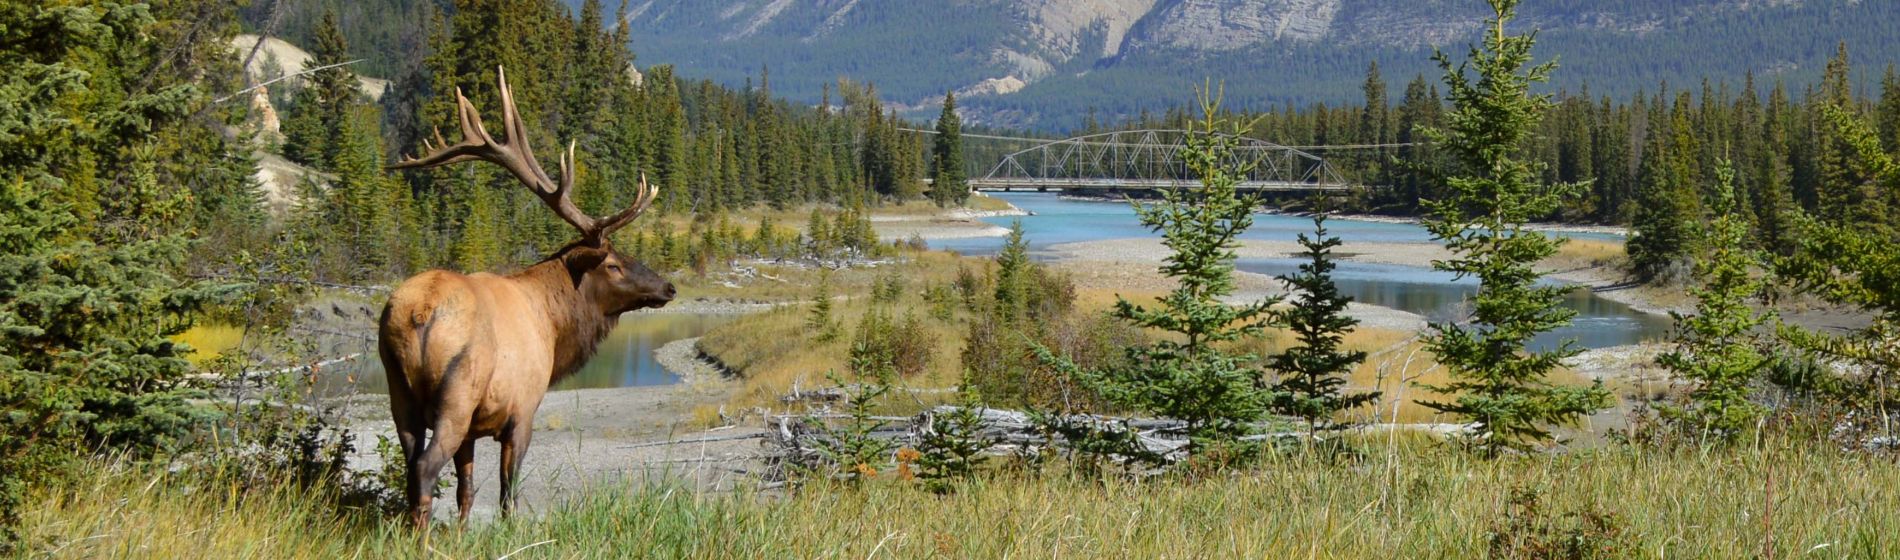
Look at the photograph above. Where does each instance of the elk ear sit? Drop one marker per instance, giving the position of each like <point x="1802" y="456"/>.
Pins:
<point x="579" y="260"/>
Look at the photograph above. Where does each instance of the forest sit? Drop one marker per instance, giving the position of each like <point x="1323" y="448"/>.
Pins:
<point x="895" y="400"/>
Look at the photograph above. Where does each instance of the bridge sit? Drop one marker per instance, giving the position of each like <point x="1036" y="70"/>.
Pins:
<point x="1150" y="159"/>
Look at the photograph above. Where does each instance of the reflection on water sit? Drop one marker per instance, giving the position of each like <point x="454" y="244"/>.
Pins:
<point x="1599" y="322"/>
<point x="625" y="358"/>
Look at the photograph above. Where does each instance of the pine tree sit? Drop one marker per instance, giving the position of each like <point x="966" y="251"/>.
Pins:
<point x="823" y="327"/>
<point x="1190" y="376"/>
<point x="1012" y="276"/>
<point x="1374" y="125"/>
<point x="1499" y="385"/>
<point x="818" y="236"/>
<point x="1313" y="374"/>
<point x="1714" y="348"/>
<point x="948" y="183"/>
<point x="1664" y="222"/>
<point x="1419" y="110"/>
<point x="325" y="105"/>
<point x="1889" y="111"/>
<point x="1853" y="265"/>
<point x="87" y="310"/>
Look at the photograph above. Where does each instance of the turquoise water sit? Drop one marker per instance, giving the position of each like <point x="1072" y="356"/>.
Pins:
<point x="1433" y="294"/>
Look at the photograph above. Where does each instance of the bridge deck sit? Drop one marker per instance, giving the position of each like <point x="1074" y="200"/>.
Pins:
<point x="1138" y="184"/>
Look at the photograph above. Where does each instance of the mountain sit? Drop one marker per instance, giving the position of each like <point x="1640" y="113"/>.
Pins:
<point x="1045" y="63"/>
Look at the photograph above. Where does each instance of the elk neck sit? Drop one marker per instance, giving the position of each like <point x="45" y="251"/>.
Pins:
<point x="574" y="319"/>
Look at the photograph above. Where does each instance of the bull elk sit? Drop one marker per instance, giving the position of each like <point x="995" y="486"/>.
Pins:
<point x="470" y="356"/>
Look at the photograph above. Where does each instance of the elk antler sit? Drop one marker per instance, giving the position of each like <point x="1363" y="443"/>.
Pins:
<point x="512" y="152"/>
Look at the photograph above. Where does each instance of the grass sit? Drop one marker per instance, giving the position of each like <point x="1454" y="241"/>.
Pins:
<point x="776" y="349"/>
<point x="208" y="341"/>
<point x="1588" y="253"/>
<point x="1403" y="499"/>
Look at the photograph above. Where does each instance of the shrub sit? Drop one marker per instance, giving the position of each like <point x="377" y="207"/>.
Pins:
<point x="950" y="446"/>
<point x="1529" y="530"/>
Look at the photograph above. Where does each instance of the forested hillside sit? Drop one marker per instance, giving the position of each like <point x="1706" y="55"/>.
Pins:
<point x="1121" y="56"/>
<point x="708" y="147"/>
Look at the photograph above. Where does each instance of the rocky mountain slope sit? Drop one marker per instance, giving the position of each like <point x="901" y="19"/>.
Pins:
<point x="1044" y="61"/>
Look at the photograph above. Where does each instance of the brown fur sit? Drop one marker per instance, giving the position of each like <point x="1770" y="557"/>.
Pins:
<point x="471" y="356"/>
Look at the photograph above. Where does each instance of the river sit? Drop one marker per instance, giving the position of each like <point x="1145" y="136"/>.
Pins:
<point x="1433" y="294"/>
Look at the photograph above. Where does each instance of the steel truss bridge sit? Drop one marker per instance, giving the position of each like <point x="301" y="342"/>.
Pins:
<point x="1152" y="159"/>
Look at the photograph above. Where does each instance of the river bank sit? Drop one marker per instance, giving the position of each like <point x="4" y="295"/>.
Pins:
<point x="952" y="223"/>
<point x="1592" y="265"/>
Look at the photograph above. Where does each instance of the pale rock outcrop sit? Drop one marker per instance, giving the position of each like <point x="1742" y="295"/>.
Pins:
<point x="1226" y="25"/>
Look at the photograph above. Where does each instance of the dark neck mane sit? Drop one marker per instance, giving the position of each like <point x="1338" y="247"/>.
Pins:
<point x="577" y="322"/>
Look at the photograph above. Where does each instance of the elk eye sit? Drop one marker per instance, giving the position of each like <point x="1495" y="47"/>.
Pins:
<point x="614" y="268"/>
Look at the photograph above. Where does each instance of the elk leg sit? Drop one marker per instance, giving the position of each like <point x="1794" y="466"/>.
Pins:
<point x="445" y="441"/>
<point x="465" y="479"/>
<point x="514" y="446"/>
<point x="409" y="433"/>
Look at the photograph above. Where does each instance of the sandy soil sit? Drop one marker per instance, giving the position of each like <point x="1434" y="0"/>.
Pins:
<point x="1556" y="228"/>
<point x="959" y="223"/>
<point x="1150" y="250"/>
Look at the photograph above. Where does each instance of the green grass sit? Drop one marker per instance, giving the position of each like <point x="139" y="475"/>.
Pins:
<point x="1409" y="499"/>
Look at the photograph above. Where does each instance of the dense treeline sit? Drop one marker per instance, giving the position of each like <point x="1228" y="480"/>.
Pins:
<point x="1644" y="161"/>
<point x="708" y="148"/>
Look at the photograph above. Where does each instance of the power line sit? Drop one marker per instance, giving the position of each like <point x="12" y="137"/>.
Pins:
<point x="282" y="78"/>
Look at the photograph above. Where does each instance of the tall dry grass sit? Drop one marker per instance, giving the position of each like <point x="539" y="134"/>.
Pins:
<point x="1407" y="498"/>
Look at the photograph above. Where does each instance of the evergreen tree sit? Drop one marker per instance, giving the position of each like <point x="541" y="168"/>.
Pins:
<point x="325" y="105"/>
<point x="95" y="235"/>
<point x="1313" y="374"/>
<point x="948" y="183"/>
<point x="1714" y="349"/>
<point x="1889" y="111"/>
<point x="1374" y="125"/>
<point x="1498" y="384"/>
<point x="1857" y="266"/>
<point x="1418" y="111"/>
<point x="1664" y="223"/>
<point x="823" y="327"/>
<point x="1190" y="376"/>
<point x="1012" y="276"/>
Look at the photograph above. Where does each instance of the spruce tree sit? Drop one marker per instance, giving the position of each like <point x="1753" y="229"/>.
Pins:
<point x="948" y="183"/>
<point x="326" y="103"/>
<point x="1313" y="373"/>
<point x="1374" y="125"/>
<point x="1889" y="111"/>
<point x="1714" y="348"/>
<point x="1664" y="223"/>
<point x="87" y="309"/>
<point x="1012" y="276"/>
<point x="819" y="321"/>
<point x="1853" y="265"/>
<point x="1497" y="384"/>
<point x="1190" y="375"/>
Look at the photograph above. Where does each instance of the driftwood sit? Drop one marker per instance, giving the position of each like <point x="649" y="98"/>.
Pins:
<point x="261" y="375"/>
<point x="797" y="439"/>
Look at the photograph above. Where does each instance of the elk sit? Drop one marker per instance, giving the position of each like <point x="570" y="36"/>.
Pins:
<point x="470" y="356"/>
